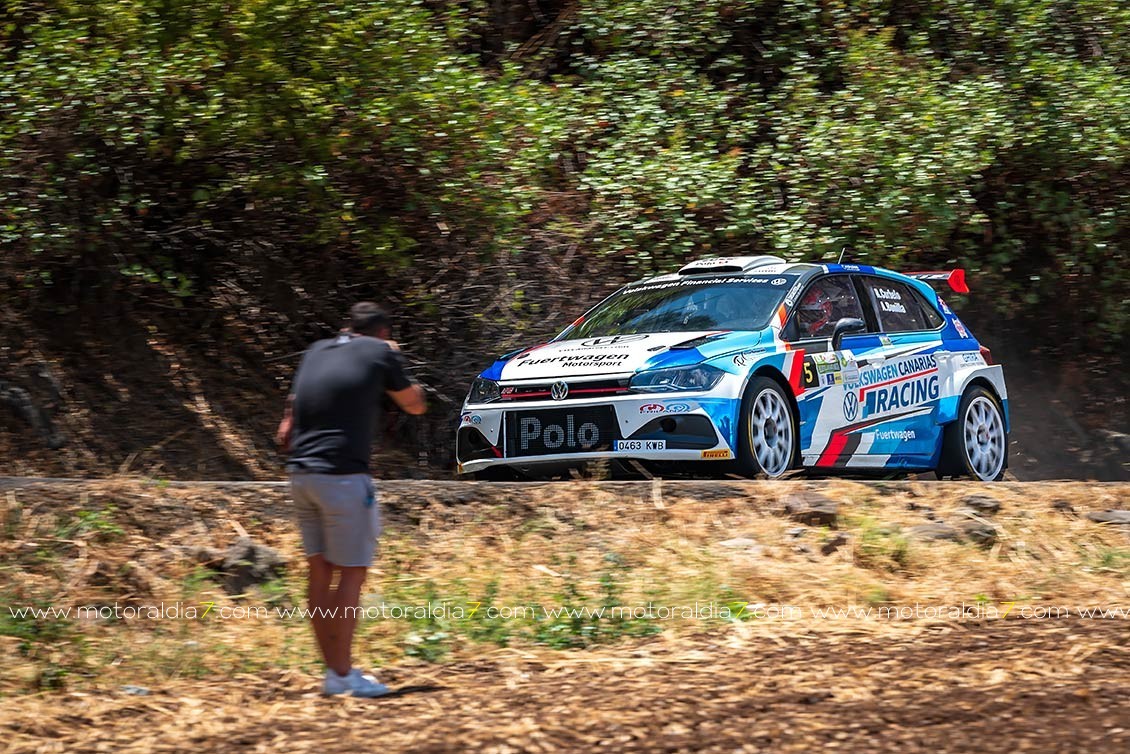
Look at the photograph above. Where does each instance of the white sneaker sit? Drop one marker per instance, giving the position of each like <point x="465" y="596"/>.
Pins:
<point x="355" y="684"/>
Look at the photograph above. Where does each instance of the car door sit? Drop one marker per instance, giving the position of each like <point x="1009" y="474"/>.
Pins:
<point x="827" y="408"/>
<point x="897" y="389"/>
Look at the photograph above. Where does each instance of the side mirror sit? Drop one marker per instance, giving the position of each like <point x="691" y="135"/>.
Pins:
<point x="844" y="327"/>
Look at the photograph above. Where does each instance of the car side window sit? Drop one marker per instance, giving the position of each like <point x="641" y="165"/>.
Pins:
<point x="900" y="308"/>
<point x="826" y="301"/>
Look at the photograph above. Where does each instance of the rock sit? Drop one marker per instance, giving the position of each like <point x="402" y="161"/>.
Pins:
<point x="135" y="690"/>
<point x="1116" y="439"/>
<point x="247" y="563"/>
<point x="203" y="555"/>
<point x="743" y="546"/>
<point x="935" y="531"/>
<point x="39" y="413"/>
<point x="925" y="510"/>
<point x="1110" y="517"/>
<point x="797" y="532"/>
<point x="812" y="509"/>
<point x="738" y="543"/>
<point x="834" y="544"/>
<point x="1062" y="506"/>
<point x="981" y="503"/>
<point x="979" y="533"/>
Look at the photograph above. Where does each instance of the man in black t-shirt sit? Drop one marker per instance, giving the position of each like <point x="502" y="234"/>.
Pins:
<point x="327" y="428"/>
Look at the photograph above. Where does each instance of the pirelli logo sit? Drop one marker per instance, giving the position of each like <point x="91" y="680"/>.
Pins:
<point x="723" y="453"/>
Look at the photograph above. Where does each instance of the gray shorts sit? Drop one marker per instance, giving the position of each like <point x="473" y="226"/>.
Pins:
<point x="338" y="515"/>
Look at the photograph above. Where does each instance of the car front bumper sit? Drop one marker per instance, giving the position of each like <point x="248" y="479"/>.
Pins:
<point x="647" y="427"/>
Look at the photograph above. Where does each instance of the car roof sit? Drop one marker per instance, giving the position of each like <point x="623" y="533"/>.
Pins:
<point x="765" y="265"/>
<point x="731" y="267"/>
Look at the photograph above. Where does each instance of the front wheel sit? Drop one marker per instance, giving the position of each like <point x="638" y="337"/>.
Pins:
<point x="975" y="445"/>
<point x="768" y="442"/>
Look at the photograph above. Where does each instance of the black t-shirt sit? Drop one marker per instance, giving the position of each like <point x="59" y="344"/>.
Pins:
<point x="338" y="390"/>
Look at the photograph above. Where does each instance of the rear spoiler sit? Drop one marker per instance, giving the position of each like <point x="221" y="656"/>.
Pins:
<point x="955" y="278"/>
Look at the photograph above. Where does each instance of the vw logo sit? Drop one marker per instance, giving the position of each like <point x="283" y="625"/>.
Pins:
<point x="851" y="405"/>
<point x="559" y="390"/>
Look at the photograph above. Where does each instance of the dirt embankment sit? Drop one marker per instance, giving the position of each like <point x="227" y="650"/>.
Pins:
<point x="166" y="396"/>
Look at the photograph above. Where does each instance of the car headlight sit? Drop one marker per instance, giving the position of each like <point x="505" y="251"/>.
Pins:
<point x="701" y="377"/>
<point x="483" y="391"/>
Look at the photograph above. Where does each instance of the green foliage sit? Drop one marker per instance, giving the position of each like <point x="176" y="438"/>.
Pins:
<point x="882" y="547"/>
<point x="99" y="524"/>
<point x="150" y="141"/>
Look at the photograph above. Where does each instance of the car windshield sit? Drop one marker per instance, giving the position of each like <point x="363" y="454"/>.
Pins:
<point x="686" y="305"/>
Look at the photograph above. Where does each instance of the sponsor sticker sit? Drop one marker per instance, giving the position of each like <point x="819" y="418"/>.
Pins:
<point x="794" y="292"/>
<point x="592" y="359"/>
<point x="902" y="393"/>
<point x="695" y="282"/>
<point x="719" y="453"/>
<point x="666" y="408"/>
<point x="638" y="445"/>
<point x="471" y="419"/>
<point x="612" y="340"/>
<point x="902" y="368"/>
<point x="554" y="436"/>
<point x="745" y="358"/>
<point x="892" y="306"/>
<point x="972" y="358"/>
<point x="960" y="328"/>
<point x="902" y="435"/>
<point x="849" y="368"/>
<point x="778" y="281"/>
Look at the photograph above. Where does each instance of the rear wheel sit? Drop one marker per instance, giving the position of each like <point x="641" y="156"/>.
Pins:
<point x="768" y="434"/>
<point x="976" y="445"/>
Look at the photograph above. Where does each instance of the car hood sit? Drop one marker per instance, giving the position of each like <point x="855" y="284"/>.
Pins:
<point x="622" y="354"/>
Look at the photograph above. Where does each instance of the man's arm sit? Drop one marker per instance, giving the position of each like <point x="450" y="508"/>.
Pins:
<point x="286" y="426"/>
<point x="405" y="393"/>
<point x="411" y="400"/>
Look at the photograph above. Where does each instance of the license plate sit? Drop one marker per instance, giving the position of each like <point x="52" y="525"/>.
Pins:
<point x="583" y="429"/>
<point x="638" y="445"/>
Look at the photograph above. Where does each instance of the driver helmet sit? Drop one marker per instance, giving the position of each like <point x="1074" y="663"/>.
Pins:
<point x="815" y="311"/>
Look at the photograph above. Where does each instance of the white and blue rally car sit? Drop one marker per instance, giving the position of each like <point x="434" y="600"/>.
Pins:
<point x="755" y="365"/>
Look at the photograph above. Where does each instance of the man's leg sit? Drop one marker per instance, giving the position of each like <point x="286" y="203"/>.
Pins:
<point x="352" y="522"/>
<point x="346" y="598"/>
<point x="320" y="602"/>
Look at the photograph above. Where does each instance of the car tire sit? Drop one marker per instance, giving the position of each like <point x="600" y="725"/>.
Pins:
<point x="769" y="437"/>
<point x="975" y="445"/>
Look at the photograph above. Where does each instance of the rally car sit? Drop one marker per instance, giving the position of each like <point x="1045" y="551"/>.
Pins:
<point x="756" y="366"/>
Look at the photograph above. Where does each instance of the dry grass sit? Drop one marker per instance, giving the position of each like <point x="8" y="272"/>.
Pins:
<point x="127" y="542"/>
<point x="748" y="682"/>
